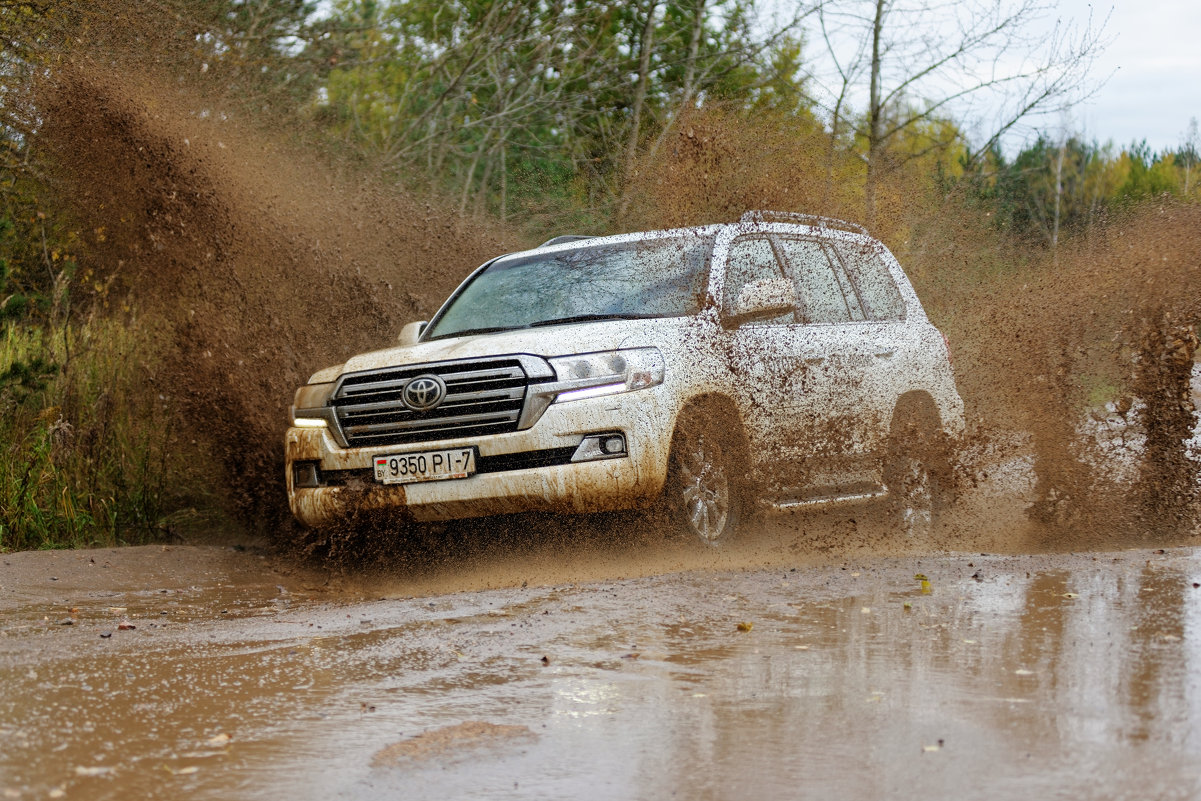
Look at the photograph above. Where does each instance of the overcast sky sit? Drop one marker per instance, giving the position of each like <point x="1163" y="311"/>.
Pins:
<point x="1149" y="72"/>
<point x="1155" y="61"/>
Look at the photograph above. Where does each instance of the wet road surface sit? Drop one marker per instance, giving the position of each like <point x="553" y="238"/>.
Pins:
<point x="1072" y="675"/>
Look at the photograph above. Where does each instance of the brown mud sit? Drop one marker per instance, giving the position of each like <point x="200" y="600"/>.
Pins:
<point x="946" y="676"/>
<point x="264" y="266"/>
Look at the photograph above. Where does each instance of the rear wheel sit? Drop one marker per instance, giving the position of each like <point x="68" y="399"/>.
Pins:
<point x="703" y="495"/>
<point x="917" y="477"/>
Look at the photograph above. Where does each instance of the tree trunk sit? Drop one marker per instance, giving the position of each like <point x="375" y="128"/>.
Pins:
<point x="1058" y="202"/>
<point x="504" y="181"/>
<point x="644" y="68"/>
<point x="469" y="181"/>
<point x="694" y="46"/>
<point x="875" y="120"/>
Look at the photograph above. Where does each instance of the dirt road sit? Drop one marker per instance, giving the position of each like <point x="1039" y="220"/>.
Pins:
<point x="781" y="672"/>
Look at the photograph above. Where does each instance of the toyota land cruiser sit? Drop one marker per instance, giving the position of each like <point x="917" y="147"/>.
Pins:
<point x="779" y="362"/>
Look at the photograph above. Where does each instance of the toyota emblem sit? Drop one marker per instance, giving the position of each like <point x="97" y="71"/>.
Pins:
<point x="423" y="393"/>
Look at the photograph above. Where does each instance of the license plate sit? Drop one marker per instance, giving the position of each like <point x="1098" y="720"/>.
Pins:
<point x="406" y="468"/>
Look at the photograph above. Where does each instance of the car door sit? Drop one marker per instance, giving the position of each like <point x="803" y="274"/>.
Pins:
<point x="753" y="348"/>
<point x="829" y="380"/>
<point x="791" y="376"/>
<point x="887" y="340"/>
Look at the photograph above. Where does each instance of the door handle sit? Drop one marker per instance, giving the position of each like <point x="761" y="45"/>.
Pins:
<point x="885" y="354"/>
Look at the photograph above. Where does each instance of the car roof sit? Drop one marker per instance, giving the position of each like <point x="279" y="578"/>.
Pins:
<point x="750" y="221"/>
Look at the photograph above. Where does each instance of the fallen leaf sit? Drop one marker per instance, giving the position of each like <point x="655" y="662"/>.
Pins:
<point x="219" y="739"/>
<point x="744" y="626"/>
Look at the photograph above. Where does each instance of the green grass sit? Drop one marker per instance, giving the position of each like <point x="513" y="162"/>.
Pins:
<point x="84" y="456"/>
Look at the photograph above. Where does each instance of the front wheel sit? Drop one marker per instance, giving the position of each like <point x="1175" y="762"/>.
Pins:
<point x="703" y="495"/>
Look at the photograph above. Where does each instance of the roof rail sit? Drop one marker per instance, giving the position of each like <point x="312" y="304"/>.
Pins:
<point x="559" y="240"/>
<point x="803" y="219"/>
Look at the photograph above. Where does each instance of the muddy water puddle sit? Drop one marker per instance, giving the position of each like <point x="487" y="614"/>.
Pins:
<point x="1004" y="677"/>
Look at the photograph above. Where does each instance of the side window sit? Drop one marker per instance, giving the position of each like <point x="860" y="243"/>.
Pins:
<point x="818" y="286"/>
<point x="752" y="259"/>
<point x="867" y="268"/>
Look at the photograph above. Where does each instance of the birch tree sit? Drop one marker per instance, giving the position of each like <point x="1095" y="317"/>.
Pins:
<point x="985" y="62"/>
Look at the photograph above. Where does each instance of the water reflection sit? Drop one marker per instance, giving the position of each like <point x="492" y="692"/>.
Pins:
<point x="1017" y="677"/>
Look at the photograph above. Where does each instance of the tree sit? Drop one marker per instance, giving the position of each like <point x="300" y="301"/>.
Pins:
<point x="1186" y="157"/>
<point x="534" y="101"/>
<point x="926" y="59"/>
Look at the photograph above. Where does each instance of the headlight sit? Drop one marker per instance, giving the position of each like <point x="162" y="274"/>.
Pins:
<point x="311" y="408"/>
<point x="607" y="373"/>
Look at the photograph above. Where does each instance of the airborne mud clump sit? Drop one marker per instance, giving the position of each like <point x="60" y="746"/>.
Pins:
<point x="262" y="260"/>
<point x="265" y="266"/>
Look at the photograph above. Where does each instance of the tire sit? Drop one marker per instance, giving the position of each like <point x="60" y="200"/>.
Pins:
<point x="918" y="478"/>
<point x="703" y="495"/>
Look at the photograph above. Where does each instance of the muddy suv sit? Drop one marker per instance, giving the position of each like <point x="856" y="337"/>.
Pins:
<point x="780" y="362"/>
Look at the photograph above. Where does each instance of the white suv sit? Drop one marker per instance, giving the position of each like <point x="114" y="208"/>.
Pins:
<point x="782" y="361"/>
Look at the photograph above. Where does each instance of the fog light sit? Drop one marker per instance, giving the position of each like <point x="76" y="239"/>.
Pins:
<point x="600" y="446"/>
<point x="306" y="475"/>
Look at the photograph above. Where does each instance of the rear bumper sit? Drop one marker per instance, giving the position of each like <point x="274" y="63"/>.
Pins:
<point x="505" y="482"/>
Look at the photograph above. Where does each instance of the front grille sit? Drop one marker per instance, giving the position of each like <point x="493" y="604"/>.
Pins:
<point x="482" y="397"/>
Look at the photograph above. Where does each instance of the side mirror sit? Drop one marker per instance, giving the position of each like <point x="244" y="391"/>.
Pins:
<point x="409" y="334"/>
<point x="768" y="297"/>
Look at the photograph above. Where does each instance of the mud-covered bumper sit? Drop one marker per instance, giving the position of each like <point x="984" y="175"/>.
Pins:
<point x="505" y="481"/>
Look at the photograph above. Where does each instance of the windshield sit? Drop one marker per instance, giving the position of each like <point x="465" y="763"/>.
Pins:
<point x="630" y="280"/>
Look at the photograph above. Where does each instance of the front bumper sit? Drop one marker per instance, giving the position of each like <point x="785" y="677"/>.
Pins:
<point x="513" y="474"/>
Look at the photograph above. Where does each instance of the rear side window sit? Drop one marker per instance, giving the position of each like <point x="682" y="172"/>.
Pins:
<point x="818" y="286"/>
<point x="867" y="268"/>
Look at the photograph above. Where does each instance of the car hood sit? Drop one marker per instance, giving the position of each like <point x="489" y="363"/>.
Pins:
<point x="546" y="341"/>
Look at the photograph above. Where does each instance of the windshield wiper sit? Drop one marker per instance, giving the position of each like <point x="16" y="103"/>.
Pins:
<point x="466" y="332"/>
<point x="587" y="318"/>
<point x="579" y="318"/>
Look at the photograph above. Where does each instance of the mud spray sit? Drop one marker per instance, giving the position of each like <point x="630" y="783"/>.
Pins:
<point x="265" y="260"/>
